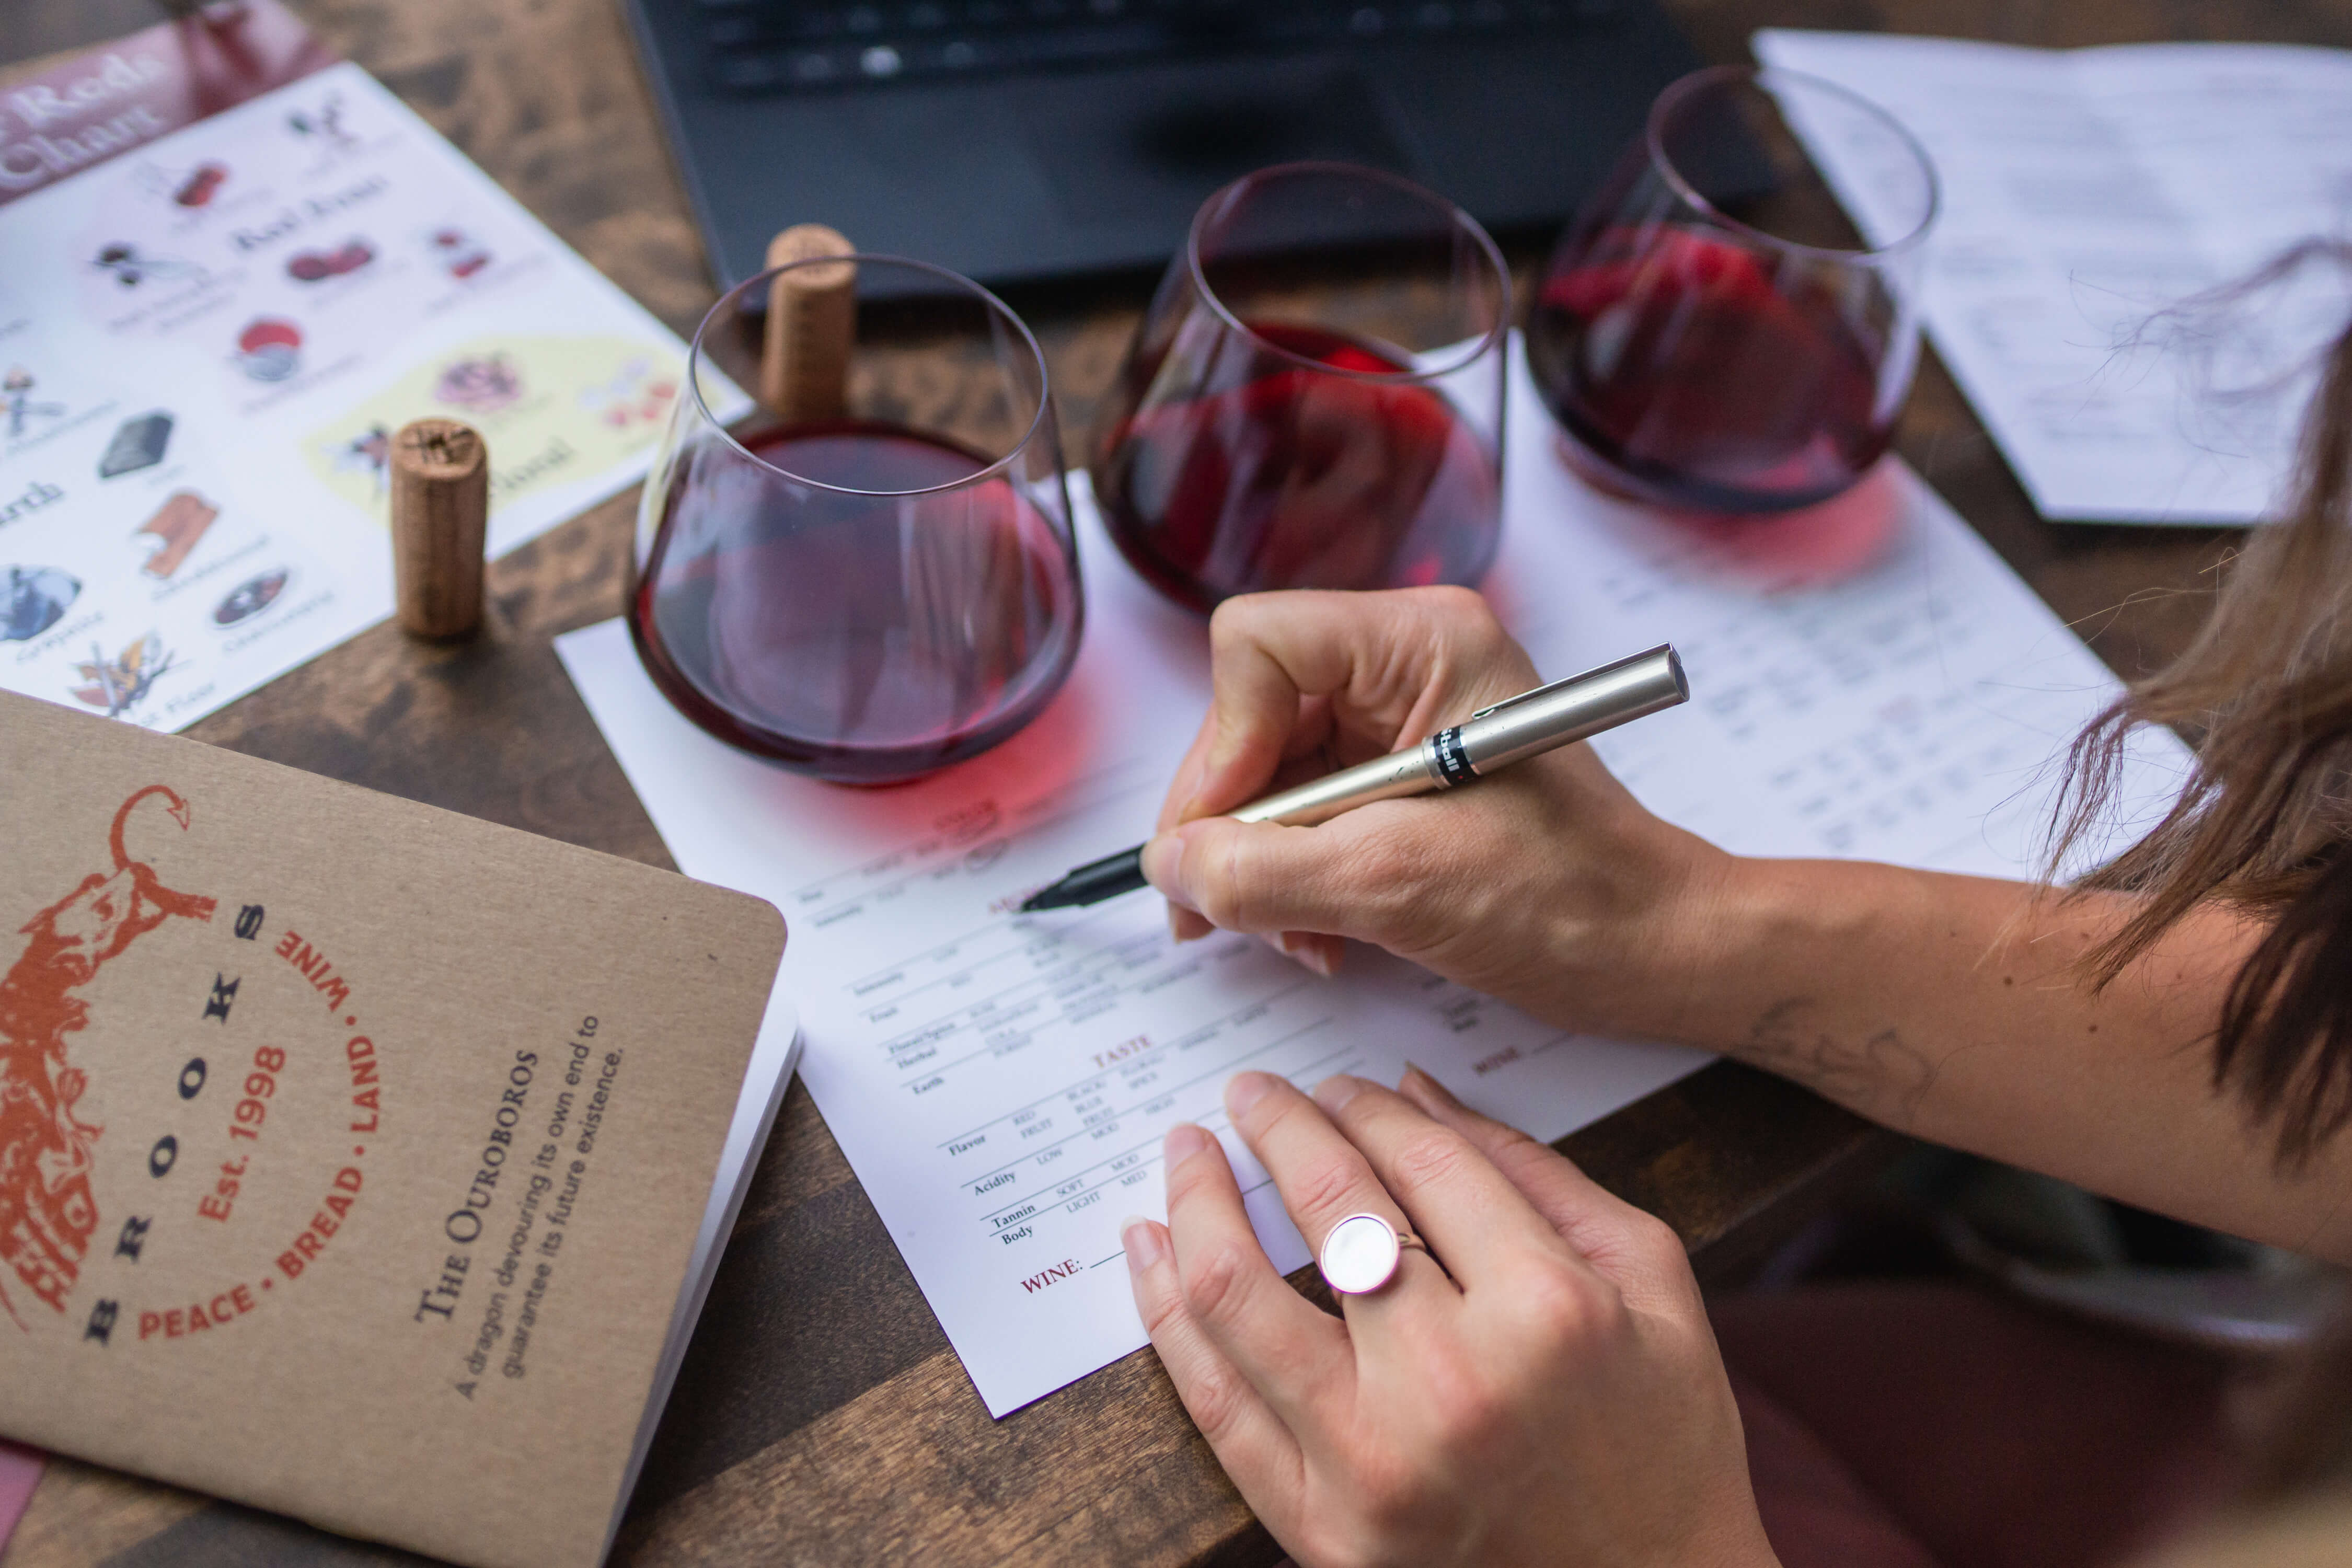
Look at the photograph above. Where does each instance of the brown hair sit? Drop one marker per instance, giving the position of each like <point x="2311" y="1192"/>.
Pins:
<point x="2265" y="822"/>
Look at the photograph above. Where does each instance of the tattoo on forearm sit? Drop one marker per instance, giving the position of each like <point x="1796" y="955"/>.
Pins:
<point x="1881" y="1074"/>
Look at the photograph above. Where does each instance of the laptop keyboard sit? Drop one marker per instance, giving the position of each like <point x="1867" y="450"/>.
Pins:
<point x="780" y="46"/>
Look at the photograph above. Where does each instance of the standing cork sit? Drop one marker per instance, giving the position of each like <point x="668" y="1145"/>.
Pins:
<point x="812" y="326"/>
<point x="440" y="509"/>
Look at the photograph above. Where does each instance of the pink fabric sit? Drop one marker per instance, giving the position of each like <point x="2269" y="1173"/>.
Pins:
<point x="20" y="1472"/>
<point x="1905" y="1423"/>
<point x="1816" y="1514"/>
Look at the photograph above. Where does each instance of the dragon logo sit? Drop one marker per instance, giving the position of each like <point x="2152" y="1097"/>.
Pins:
<point x="46" y="1211"/>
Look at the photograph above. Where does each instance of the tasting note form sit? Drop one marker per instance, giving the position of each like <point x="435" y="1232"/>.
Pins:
<point x="1001" y="1083"/>
<point x="352" y="1154"/>
<point x="2086" y="193"/>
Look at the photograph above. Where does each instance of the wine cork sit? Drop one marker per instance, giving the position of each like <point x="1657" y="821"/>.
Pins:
<point x="812" y="326"/>
<point x="440" y="511"/>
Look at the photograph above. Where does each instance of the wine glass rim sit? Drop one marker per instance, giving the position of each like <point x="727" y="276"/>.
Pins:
<point x="1476" y="349"/>
<point x="1712" y="75"/>
<point x="1036" y="419"/>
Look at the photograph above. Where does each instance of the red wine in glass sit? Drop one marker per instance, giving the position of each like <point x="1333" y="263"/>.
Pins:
<point x="1288" y="475"/>
<point x="1716" y="331"/>
<point x="1700" y="376"/>
<point x="858" y="632"/>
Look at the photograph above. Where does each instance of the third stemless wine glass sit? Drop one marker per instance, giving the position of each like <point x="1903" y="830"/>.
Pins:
<point x="874" y="591"/>
<point x="1316" y="398"/>
<point x="1714" y="332"/>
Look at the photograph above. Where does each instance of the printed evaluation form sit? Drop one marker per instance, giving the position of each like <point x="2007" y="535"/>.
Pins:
<point x="2088" y="197"/>
<point x="1001" y="1083"/>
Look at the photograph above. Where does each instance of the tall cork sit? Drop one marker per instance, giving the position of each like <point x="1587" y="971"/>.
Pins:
<point x="812" y="326"/>
<point x="440" y="511"/>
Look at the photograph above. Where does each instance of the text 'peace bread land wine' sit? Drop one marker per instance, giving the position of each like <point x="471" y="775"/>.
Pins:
<point x="847" y="627"/>
<point x="1287" y="475"/>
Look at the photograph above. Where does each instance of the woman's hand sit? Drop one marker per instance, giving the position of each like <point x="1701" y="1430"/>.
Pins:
<point x="1550" y="1396"/>
<point x="1549" y="885"/>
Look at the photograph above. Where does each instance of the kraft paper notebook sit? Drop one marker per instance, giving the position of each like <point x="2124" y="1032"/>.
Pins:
<point x="358" y="1160"/>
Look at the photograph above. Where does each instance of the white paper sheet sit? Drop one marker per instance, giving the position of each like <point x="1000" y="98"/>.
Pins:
<point x="1001" y="1084"/>
<point x="765" y="1078"/>
<point x="195" y="401"/>
<point x="2087" y="192"/>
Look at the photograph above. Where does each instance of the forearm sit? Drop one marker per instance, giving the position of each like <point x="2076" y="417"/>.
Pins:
<point x="1954" y="1008"/>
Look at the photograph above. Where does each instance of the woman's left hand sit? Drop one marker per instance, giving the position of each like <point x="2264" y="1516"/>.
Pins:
<point x="1552" y="1395"/>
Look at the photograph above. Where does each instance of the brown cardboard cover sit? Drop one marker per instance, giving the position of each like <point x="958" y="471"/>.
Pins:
<point x="351" y="1152"/>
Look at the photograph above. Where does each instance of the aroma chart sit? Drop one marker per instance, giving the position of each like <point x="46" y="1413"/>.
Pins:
<point x="206" y="345"/>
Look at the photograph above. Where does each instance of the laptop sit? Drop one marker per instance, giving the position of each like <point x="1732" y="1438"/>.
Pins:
<point x="1017" y="141"/>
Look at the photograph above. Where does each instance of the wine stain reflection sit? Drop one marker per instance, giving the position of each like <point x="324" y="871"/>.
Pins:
<point x="1814" y="547"/>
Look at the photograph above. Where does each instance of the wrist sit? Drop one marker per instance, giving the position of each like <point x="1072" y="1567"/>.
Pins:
<point x="1719" y="940"/>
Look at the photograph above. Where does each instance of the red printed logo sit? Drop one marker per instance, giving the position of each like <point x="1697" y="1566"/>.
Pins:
<point x="48" y="1214"/>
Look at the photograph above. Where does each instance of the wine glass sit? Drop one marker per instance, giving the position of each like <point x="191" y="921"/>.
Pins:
<point x="1314" y="399"/>
<point x="875" y="593"/>
<point x="1713" y="332"/>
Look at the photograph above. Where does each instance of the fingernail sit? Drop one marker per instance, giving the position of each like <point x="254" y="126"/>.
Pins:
<point x="1312" y="953"/>
<point x="1163" y="868"/>
<point x="1335" y="1091"/>
<point x="1187" y="788"/>
<point x="1416" y="1079"/>
<point x="1246" y="1090"/>
<point x="1184" y="1141"/>
<point x="1142" y="1239"/>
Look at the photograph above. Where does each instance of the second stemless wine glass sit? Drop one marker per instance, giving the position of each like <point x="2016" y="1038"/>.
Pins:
<point x="870" y="596"/>
<point x="1316" y="398"/>
<point x="1713" y="331"/>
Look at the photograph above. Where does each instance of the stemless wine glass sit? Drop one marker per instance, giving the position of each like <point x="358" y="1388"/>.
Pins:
<point x="871" y="596"/>
<point x="1713" y="331"/>
<point x="1314" y="399"/>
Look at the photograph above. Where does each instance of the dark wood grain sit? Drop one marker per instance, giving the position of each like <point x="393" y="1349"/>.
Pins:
<point x="821" y="1418"/>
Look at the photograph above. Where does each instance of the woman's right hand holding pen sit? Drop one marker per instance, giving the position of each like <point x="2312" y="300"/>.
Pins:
<point x="1549" y="885"/>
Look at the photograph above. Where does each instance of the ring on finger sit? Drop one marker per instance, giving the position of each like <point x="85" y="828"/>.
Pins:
<point x="1361" y="1253"/>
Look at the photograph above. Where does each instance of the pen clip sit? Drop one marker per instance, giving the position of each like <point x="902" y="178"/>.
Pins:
<point x="1522" y="697"/>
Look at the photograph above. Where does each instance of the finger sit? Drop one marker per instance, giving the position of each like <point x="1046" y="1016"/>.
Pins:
<point x="1249" y="1439"/>
<point x="1353" y="875"/>
<point x="1187" y="925"/>
<point x="1633" y="1248"/>
<point x="1472" y="1216"/>
<point x="1322" y="1177"/>
<point x="1393" y="664"/>
<point x="1289" y="1351"/>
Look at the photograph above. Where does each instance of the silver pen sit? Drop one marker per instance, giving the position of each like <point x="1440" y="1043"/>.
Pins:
<point x="1512" y="730"/>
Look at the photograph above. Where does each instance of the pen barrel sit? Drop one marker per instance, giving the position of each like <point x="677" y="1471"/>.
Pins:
<point x="1383" y="778"/>
<point x="1573" y="709"/>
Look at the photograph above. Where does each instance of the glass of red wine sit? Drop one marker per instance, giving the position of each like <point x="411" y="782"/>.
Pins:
<point x="1714" y="332"/>
<point x="1314" y="399"/>
<point x="872" y="594"/>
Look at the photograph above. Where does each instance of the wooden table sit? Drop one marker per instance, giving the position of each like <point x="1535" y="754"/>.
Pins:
<point x="821" y="1418"/>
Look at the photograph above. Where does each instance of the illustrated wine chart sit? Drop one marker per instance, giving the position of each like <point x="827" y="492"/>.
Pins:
<point x="207" y="342"/>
